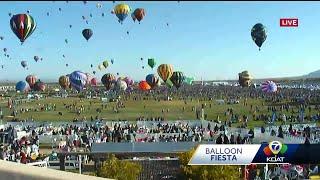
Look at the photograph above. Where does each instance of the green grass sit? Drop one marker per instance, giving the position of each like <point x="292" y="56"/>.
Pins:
<point x="135" y="109"/>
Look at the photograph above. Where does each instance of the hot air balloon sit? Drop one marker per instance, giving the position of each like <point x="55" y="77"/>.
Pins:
<point x="47" y="13"/>
<point x="165" y="71"/>
<point x="70" y="26"/>
<point x="78" y="80"/>
<point x="84" y="2"/>
<point x="40" y="86"/>
<point x="90" y="15"/>
<point x="36" y="58"/>
<point x="102" y="14"/>
<point x="99" y="5"/>
<point x="64" y="82"/>
<point x="129" y="81"/>
<point x="142" y="67"/>
<point x="121" y="11"/>
<point x="94" y="72"/>
<point x="5" y="49"/>
<point x="28" y="11"/>
<point x="66" y="41"/>
<point x="100" y="67"/>
<point x="143" y="85"/>
<point x="112" y="61"/>
<point x="177" y="79"/>
<point x="151" y="62"/>
<point x="31" y="79"/>
<point x="1" y="38"/>
<point x="105" y="64"/>
<point x="141" y="59"/>
<point x="87" y="33"/>
<point x="87" y="22"/>
<point x="152" y="80"/>
<point x="94" y="82"/>
<point x="259" y="34"/>
<point x="83" y="17"/>
<point x="67" y="65"/>
<point x="121" y="85"/>
<point x="63" y="56"/>
<point x="10" y="14"/>
<point x="138" y="14"/>
<point x="23" y="25"/>
<point x="269" y="87"/>
<point x="108" y="80"/>
<point x="169" y="83"/>
<point x="91" y="65"/>
<point x="189" y="80"/>
<point x="24" y="64"/>
<point x="22" y="86"/>
<point x="59" y="9"/>
<point x="244" y="79"/>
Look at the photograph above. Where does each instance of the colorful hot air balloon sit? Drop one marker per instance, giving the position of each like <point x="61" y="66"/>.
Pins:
<point x="177" y="79"/>
<point x="100" y="67"/>
<point x="152" y="80"/>
<point x="23" y="25"/>
<point x="151" y="62"/>
<point x="165" y="71"/>
<point x="31" y="79"/>
<point x="94" y="82"/>
<point x="259" y="34"/>
<point x="22" y="86"/>
<point x="138" y="14"/>
<point x="121" y="85"/>
<point x="169" y="83"/>
<point x="121" y="11"/>
<point x="87" y="33"/>
<point x="269" y="87"/>
<point x="129" y="81"/>
<point x="105" y="64"/>
<point x="78" y="80"/>
<point x="24" y="64"/>
<point x="108" y="80"/>
<point x="244" y="79"/>
<point x="189" y="80"/>
<point x="40" y="86"/>
<point x="64" y="82"/>
<point x="143" y="85"/>
<point x="36" y="58"/>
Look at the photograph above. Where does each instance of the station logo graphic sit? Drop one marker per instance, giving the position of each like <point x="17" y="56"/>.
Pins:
<point x="275" y="151"/>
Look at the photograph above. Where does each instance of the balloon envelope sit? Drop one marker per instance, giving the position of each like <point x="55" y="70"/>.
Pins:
<point x="22" y="86"/>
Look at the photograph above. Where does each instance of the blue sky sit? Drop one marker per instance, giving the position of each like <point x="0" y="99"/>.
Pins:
<point x="209" y="40"/>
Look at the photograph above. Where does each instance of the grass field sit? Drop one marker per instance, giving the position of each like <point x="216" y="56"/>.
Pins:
<point x="133" y="109"/>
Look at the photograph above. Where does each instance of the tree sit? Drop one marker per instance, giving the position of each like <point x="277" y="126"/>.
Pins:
<point x="119" y="169"/>
<point x="222" y="172"/>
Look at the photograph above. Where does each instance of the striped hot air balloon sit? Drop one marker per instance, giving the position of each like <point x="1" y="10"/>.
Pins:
<point x="165" y="71"/>
<point x="64" y="82"/>
<point x="22" y="25"/>
<point x="78" y="80"/>
<point x="177" y="79"/>
<point x="31" y="79"/>
<point x="121" y="11"/>
<point x="108" y="80"/>
<point x="152" y="80"/>
<point x="269" y="87"/>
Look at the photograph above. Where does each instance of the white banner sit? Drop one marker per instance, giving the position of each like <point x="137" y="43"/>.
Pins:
<point x="224" y="154"/>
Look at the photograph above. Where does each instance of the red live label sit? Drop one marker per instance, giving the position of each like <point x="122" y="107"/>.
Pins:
<point x="289" y="22"/>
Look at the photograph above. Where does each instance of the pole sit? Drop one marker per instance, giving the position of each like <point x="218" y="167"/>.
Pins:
<point x="266" y="172"/>
<point x="80" y="164"/>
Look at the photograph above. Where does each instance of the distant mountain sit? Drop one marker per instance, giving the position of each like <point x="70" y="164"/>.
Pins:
<point x="315" y="74"/>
